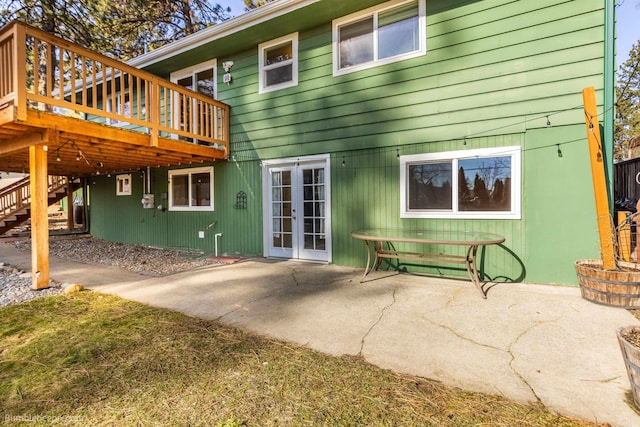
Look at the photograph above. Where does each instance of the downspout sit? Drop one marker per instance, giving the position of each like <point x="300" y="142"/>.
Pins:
<point x="609" y="95"/>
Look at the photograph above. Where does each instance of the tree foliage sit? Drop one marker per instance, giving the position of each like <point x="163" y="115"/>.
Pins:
<point x="254" y="4"/>
<point x="628" y="103"/>
<point x="122" y="29"/>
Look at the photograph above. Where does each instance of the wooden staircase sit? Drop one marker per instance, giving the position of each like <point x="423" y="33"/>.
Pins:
<point x="15" y="199"/>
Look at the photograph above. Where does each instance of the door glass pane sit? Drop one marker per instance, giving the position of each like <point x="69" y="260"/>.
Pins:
<point x="205" y="82"/>
<point x="430" y="186"/>
<point x="356" y="43"/>
<point x="186" y="82"/>
<point x="313" y="205"/>
<point x="281" y="209"/>
<point x="398" y="31"/>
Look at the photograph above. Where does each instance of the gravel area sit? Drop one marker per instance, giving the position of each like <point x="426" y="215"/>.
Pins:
<point x="136" y="258"/>
<point x="15" y="285"/>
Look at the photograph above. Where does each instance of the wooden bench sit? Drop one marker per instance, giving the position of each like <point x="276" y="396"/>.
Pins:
<point x="379" y="246"/>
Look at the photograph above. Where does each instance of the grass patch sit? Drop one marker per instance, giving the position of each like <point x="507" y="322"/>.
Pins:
<point x="93" y="359"/>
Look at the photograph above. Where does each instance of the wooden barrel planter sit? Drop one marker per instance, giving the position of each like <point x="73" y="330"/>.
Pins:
<point x="616" y="288"/>
<point x="631" y="356"/>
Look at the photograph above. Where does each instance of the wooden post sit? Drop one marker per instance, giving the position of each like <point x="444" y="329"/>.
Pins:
<point x="20" y="78"/>
<point x="596" y="153"/>
<point x="70" y="224"/>
<point x="39" y="217"/>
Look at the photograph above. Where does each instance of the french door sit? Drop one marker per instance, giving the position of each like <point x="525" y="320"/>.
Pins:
<point x="297" y="220"/>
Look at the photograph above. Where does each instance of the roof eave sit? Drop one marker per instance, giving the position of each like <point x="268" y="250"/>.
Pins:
<point x="219" y="31"/>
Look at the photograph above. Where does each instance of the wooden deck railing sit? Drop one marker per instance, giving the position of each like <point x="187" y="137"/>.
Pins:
<point x="44" y="72"/>
<point x="17" y="196"/>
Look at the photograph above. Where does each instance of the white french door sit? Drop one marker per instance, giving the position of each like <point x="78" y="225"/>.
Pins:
<point x="297" y="220"/>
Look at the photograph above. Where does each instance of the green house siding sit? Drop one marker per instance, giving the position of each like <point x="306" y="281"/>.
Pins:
<point x="495" y="73"/>
<point x="122" y="218"/>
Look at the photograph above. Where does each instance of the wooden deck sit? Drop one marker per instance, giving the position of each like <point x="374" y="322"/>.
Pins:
<point x="67" y="111"/>
<point x="97" y="115"/>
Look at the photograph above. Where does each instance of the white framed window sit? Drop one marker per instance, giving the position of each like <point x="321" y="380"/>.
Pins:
<point x="191" y="189"/>
<point x="390" y="32"/>
<point x="482" y="183"/>
<point x="278" y="63"/>
<point x="123" y="185"/>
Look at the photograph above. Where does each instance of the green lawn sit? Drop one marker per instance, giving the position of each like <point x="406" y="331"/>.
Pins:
<point x="93" y="359"/>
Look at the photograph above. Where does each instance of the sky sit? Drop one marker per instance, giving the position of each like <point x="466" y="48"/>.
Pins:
<point x="237" y="6"/>
<point x="627" y="25"/>
<point x="627" y="28"/>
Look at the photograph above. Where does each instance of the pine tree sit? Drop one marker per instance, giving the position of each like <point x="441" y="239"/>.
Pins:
<point x="628" y="103"/>
<point x="121" y="29"/>
<point x="254" y="4"/>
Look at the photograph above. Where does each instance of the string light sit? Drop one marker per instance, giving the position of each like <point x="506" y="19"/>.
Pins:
<point x="464" y="139"/>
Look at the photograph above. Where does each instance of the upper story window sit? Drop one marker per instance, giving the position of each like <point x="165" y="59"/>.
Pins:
<point x="482" y="183"/>
<point x="278" y="63"/>
<point x="386" y="33"/>
<point x="191" y="189"/>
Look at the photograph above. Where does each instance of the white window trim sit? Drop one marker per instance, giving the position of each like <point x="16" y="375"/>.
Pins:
<point x="190" y="171"/>
<point x="516" y="182"/>
<point x="293" y="38"/>
<point x="126" y="189"/>
<point x="374" y="11"/>
<point x="191" y="72"/>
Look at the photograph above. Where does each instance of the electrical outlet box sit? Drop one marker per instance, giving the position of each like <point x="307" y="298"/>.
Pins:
<point x="201" y="234"/>
<point x="148" y="201"/>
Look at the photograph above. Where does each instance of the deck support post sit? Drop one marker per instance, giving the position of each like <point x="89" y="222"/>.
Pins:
<point x="70" y="223"/>
<point x="39" y="217"/>
<point x="597" y="153"/>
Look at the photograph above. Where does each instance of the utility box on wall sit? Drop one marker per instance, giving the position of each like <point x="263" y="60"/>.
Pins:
<point x="148" y="201"/>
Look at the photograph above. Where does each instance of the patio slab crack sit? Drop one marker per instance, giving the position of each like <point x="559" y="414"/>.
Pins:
<point x="509" y="351"/>
<point x="513" y="359"/>
<point x="377" y="322"/>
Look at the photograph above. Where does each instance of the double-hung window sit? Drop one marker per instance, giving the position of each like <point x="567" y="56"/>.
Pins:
<point x="482" y="183"/>
<point x="386" y="33"/>
<point x="278" y="63"/>
<point x="191" y="189"/>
